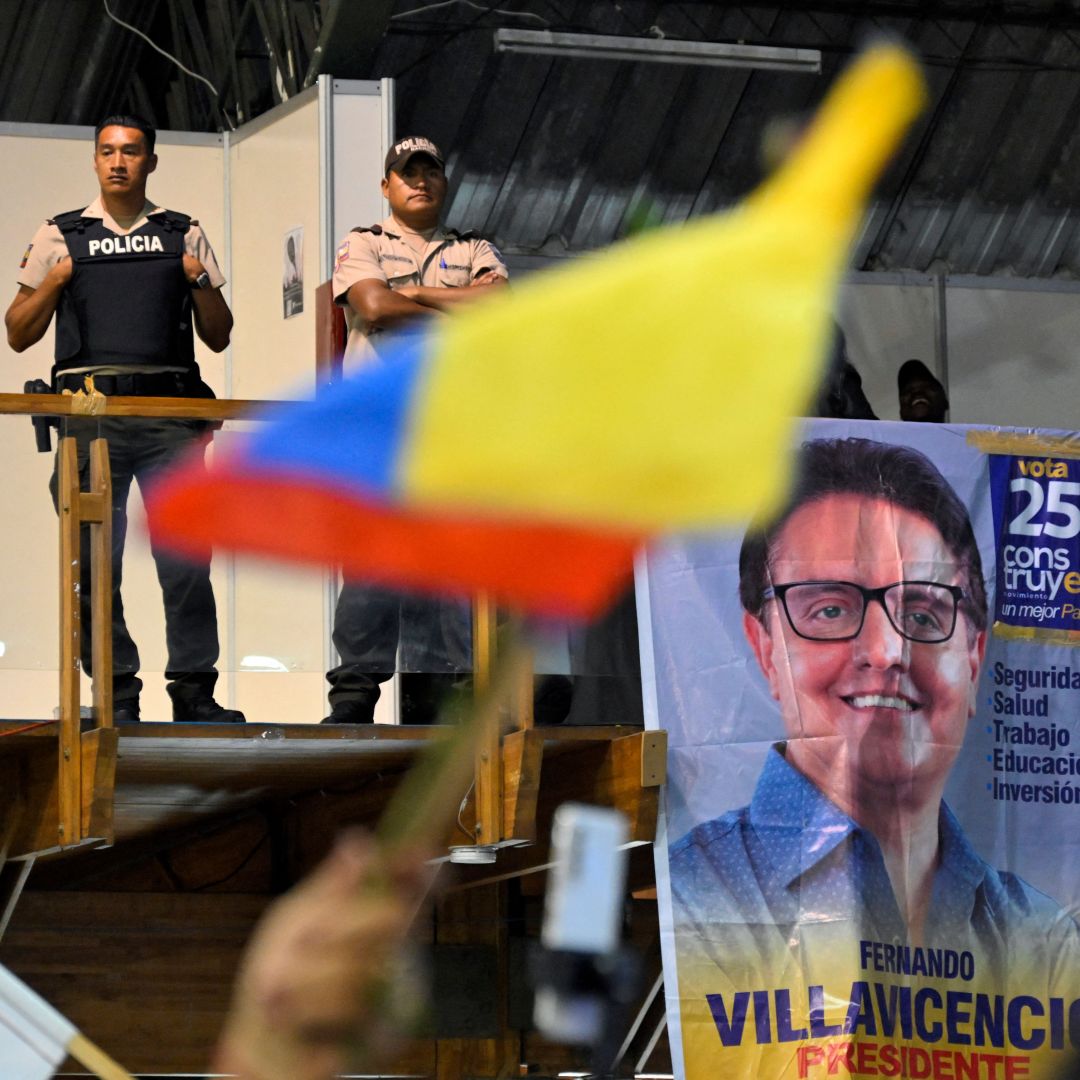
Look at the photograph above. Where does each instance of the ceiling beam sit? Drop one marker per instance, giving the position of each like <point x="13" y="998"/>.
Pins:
<point x="350" y="34"/>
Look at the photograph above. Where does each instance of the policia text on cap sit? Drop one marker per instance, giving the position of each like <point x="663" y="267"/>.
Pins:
<point x="126" y="280"/>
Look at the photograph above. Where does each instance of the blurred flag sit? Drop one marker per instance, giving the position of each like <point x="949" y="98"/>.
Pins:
<point x="528" y="445"/>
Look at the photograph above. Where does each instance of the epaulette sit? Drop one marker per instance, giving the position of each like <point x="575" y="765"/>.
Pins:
<point x="70" y="220"/>
<point x="376" y="230"/>
<point x="468" y="234"/>
<point x="174" y="221"/>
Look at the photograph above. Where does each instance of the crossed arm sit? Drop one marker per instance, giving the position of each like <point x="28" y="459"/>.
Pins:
<point x="382" y="307"/>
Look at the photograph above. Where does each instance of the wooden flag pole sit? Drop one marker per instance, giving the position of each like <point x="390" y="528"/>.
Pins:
<point x="92" y="1057"/>
<point x="428" y="797"/>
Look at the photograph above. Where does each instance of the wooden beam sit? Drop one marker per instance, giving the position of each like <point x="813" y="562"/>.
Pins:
<point x="488" y="763"/>
<point x="522" y="756"/>
<point x="98" y="783"/>
<point x="478" y="917"/>
<point x="70" y="778"/>
<point x="92" y="1057"/>
<point x="101" y="583"/>
<point x="172" y="407"/>
<point x="625" y="773"/>
<point x="522" y="716"/>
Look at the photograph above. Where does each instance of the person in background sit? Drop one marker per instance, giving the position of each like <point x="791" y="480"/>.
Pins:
<point x="841" y="396"/>
<point x="922" y="397"/>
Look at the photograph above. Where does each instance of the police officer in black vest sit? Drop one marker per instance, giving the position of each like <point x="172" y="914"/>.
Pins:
<point x="127" y="280"/>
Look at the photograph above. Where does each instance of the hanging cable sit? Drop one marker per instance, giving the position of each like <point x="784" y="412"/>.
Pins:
<point x="169" y="56"/>
<point x="486" y="10"/>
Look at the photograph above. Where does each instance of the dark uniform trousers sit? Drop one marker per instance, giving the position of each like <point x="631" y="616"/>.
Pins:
<point x="436" y="648"/>
<point x="138" y="449"/>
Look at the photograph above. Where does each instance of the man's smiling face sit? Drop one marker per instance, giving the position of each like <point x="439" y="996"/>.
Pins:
<point x="892" y="710"/>
<point x="923" y="399"/>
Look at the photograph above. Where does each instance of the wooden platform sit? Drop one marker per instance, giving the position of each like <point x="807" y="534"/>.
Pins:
<point x="134" y="932"/>
<point x="168" y="775"/>
<point x="155" y="776"/>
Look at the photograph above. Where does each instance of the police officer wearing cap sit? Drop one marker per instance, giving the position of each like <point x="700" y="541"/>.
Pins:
<point x="126" y="280"/>
<point x="403" y="271"/>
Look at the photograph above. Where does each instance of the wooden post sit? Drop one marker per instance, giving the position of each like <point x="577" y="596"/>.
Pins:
<point x="70" y="760"/>
<point x="478" y="916"/>
<point x="488" y="764"/>
<point x="101" y="578"/>
<point x="522" y="719"/>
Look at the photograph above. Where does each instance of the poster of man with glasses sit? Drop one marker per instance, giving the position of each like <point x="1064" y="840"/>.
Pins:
<point x="869" y="865"/>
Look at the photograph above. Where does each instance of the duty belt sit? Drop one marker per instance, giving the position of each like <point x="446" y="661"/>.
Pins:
<point x="160" y="384"/>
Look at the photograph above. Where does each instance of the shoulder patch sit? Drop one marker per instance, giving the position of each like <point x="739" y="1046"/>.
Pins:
<point x="342" y="254"/>
<point x="173" y="220"/>
<point x="26" y="256"/>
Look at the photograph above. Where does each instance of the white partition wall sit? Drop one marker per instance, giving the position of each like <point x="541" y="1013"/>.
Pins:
<point x="1014" y="353"/>
<point x="359" y="121"/>
<point x="249" y="189"/>
<point x="1005" y="349"/>
<point x="283" y="171"/>
<point x="277" y="614"/>
<point x="888" y="319"/>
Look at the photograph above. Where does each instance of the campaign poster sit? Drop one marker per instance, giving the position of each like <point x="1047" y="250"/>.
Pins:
<point x="867" y="861"/>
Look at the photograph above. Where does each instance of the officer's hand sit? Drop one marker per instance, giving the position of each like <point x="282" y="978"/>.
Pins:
<point x="61" y="271"/>
<point x="488" y="277"/>
<point x="192" y="268"/>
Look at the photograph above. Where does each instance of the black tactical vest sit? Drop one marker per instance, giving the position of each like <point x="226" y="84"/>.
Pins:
<point x="128" y="301"/>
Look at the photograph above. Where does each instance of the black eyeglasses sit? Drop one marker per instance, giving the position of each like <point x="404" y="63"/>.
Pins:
<point x="923" y="611"/>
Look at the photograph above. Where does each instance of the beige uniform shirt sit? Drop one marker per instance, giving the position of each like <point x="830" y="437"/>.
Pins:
<point x="448" y="261"/>
<point x="48" y="247"/>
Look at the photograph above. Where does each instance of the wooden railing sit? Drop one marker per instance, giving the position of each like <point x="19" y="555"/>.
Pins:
<point x="506" y="768"/>
<point x="87" y="759"/>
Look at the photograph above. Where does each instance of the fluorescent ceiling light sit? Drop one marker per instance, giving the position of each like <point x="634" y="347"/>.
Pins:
<point x="657" y="50"/>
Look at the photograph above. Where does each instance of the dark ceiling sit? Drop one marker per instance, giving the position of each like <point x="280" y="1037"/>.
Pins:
<point x="555" y="157"/>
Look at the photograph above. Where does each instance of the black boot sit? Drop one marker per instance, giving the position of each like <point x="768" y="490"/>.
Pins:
<point x="351" y="711"/>
<point x="199" y="707"/>
<point x="126" y="711"/>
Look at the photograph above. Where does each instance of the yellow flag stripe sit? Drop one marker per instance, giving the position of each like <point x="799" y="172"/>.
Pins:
<point x="654" y="386"/>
